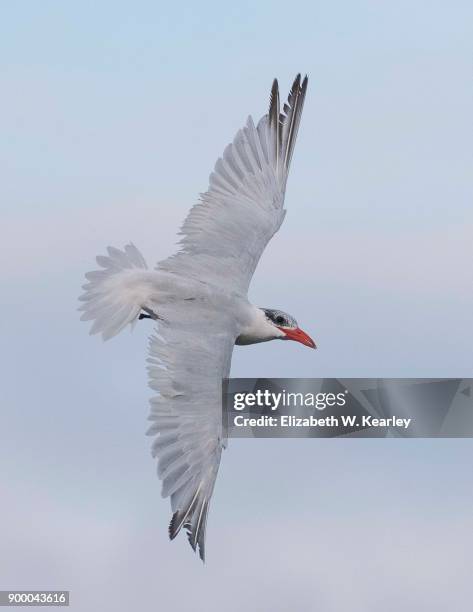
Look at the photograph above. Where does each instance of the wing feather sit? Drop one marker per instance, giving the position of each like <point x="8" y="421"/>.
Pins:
<point x="230" y="227"/>
<point x="187" y="362"/>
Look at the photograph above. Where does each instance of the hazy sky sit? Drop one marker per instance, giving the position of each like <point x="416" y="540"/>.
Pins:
<point x="112" y="116"/>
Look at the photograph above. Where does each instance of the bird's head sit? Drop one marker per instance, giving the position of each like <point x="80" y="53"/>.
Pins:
<point x="287" y="326"/>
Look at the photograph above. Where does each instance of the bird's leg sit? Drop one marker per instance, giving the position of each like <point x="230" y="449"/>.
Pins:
<point x="150" y="314"/>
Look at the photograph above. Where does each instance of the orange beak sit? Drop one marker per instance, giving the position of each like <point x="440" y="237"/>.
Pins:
<point x="298" y="335"/>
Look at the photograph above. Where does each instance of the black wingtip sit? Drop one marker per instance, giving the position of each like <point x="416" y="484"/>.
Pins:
<point x="172" y="529"/>
<point x="190" y="537"/>
<point x="196" y="546"/>
<point x="297" y="83"/>
<point x="274" y="101"/>
<point x="297" y="87"/>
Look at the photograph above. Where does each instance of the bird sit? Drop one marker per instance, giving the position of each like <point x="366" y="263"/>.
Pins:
<point x="198" y="301"/>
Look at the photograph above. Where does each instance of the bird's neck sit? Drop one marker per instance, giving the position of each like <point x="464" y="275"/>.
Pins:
<point x="256" y="328"/>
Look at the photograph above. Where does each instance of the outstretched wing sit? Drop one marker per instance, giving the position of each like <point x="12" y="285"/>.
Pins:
<point x="225" y="234"/>
<point x="187" y="362"/>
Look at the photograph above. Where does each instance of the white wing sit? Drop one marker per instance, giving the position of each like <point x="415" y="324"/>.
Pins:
<point x="188" y="360"/>
<point x="225" y="234"/>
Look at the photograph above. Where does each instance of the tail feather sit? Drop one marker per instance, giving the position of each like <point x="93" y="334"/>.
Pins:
<point x="115" y="295"/>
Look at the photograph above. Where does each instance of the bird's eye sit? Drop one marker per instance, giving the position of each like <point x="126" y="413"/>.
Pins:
<point x="280" y="320"/>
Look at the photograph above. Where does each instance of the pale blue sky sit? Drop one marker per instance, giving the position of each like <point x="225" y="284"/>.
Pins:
<point x="112" y="115"/>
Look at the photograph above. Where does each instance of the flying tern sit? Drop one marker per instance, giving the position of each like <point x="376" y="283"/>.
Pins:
<point x="198" y="299"/>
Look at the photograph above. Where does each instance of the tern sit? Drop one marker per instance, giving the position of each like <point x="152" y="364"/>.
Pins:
<point x="198" y="299"/>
